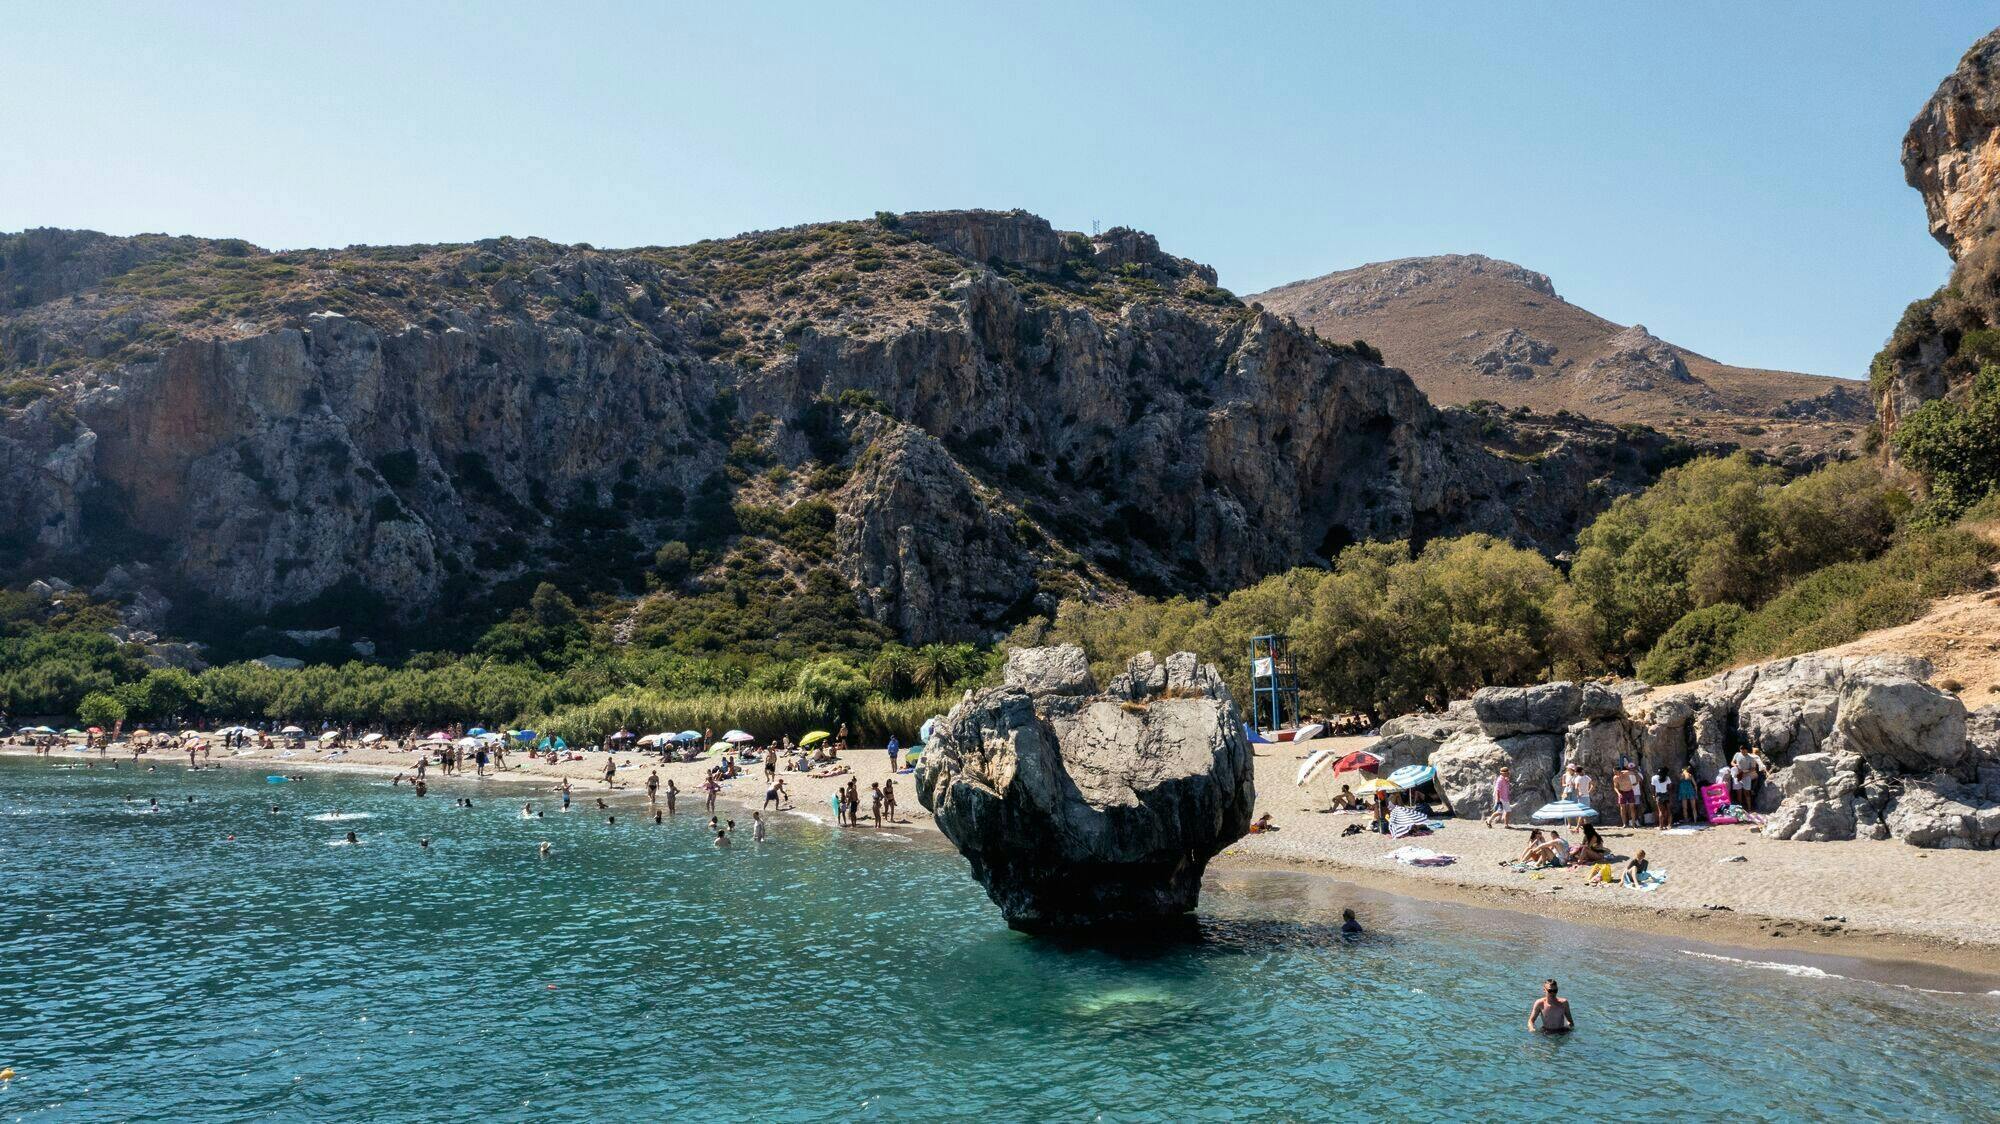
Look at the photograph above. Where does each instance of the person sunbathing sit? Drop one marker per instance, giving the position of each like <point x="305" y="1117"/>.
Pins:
<point x="1262" y="824"/>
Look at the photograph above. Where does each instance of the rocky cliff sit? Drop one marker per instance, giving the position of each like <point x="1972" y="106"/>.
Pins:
<point x="955" y="417"/>
<point x="1951" y="155"/>
<point x="1469" y="327"/>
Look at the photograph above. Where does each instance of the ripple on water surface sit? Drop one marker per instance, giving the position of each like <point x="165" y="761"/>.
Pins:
<point x="153" y="965"/>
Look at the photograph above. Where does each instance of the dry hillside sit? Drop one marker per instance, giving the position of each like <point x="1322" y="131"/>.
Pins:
<point x="1468" y="327"/>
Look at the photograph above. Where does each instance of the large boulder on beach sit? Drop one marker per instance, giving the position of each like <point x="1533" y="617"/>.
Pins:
<point x="1413" y="738"/>
<point x="1900" y="724"/>
<point x="1508" y="711"/>
<point x="1082" y="812"/>
<point x="1938" y="811"/>
<point x="1467" y="764"/>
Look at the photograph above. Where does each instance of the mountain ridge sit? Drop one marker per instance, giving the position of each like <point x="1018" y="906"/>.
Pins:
<point x="929" y="424"/>
<point x="1469" y="327"/>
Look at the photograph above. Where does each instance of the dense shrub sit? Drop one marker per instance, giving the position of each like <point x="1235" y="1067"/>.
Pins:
<point x="1955" y="447"/>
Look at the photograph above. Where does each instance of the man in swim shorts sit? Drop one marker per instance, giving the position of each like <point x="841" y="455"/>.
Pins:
<point x="1625" y="783"/>
<point x="1551" y="1014"/>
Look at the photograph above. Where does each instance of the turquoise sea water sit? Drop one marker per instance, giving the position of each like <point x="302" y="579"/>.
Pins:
<point x="150" y="967"/>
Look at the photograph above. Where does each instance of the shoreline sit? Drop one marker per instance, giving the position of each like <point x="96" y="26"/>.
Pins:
<point x="1888" y="952"/>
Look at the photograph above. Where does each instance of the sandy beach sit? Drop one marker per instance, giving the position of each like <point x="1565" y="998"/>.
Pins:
<point x="1874" y="900"/>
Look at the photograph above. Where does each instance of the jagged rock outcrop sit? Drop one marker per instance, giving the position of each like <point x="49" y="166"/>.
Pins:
<point x="1060" y="669"/>
<point x="999" y="415"/>
<point x="1083" y="813"/>
<point x="1858" y="746"/>
<point x="1951" y="154"/>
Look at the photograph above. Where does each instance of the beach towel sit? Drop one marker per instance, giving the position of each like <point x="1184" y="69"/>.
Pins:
<point x="1652" y="880"/>
<point x="1406" y="819"/>
<point x="1686" y="829"/>
<point x="1419" y="856"/>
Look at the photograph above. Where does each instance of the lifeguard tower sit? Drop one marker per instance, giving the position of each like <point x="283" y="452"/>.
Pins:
<point x="1274" y="683"/>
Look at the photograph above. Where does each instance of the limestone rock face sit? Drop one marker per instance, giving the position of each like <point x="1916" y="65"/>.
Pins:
<point x="1898" y="724"/>
<point x="990" y="439"/>
<point x="1060" y="669"/>
<point x="1860" y="747"/>
<point x="1085" y="813"/>
<point x="1547" y="708"/>
<point x="1952" y="151"/>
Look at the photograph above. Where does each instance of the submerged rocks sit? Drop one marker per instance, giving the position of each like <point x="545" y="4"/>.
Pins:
<point x="1083" y="812"/>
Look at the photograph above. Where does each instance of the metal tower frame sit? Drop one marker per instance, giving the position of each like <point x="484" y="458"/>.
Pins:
<point x="1274" y="682"/>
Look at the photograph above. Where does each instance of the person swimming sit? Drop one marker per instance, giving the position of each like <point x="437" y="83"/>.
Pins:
<point x="544" y="849"/>
<point x="1349" y="927"/>
<point x="274" y="809"/>
<point x="425" y="842"/>
<point x="721" y="839"/>
<point x="527" y="811"/>
<point x="353" y="839"/>
<point x="1551" y="1013"/>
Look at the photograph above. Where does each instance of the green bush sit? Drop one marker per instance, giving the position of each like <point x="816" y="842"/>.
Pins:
<point x="1699" y="643"/>
<point x="1954" y="447"/>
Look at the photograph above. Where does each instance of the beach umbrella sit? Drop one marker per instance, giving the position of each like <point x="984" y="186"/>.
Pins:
<point x="1357" y="762"/>
<point x="686" y="736"/>
<point x="438" y="736"/>
<point x="737" y="737"/>
<point x="719" y="748"/>
<point x="912" y="757"/>
<point x="475" y="731"/>
<point x="1562" y="810"/>
<point x="620" y="736"/>
<point x="813" y="737"/>
<point x="370" y="739"/>
<point x="929" y="727"/>
<point x="328" y="735"/>
<point x="97" y="729"/>
<point x="522" y="735"/>
<point x="286" y="730"/>
<point x="72" y="732"/>
<point x="1374" y="785"/>
<point x="135" y="733"/>
<point x="45" y="729"/>
<point x="1309" y="731"/>
<point x="652" y="739"/>
<point x="1314" y="762"/>
<point x="1410" y="776"/>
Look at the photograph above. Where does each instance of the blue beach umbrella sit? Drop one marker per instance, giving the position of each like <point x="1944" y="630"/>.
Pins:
<point x="1410" y="776"/>
<point x="929" y="727"/>
<point x="1562" y="810"/>
<point x="688" y="736"/>
<point x="475" y="731"/>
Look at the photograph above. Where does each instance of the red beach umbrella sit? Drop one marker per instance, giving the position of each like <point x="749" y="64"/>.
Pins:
<point x="1357" y="761"/>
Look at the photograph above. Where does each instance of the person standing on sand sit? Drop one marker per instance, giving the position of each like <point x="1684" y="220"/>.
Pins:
<point x="653" y="788"/>
<point x="1503" y="797"/>
<point x="423" y="764"/>
<point x="770" y="763"/>
<point x="1663" y="799"/>
<point x="889" y="798"/>
<point x="673" y="791"/>
<point x="1625" y="783"/>
<point x="853" y="801"/>
<point x="709" y="788"/>
<point x="1741" y="789"/>
<point x="1686" y="791"/>
<point x="895" y="755"/>
<point x="1551" y="1013"/>
<point x="875" y="803"/>
<point x="610" y="769"/>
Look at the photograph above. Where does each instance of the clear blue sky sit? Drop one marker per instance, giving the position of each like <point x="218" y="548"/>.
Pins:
<point x="1726" y="174"/>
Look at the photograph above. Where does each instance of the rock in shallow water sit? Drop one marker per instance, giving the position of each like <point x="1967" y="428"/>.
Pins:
<point x="1087" y="813"/>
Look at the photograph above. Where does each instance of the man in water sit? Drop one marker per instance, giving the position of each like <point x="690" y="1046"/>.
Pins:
<point x="1551" y="1014"/>
<point x="1349" y="927"/>
<point x="721" y="840"/>
<point x="353" y="839"/>
<point x="757" y="826"/>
